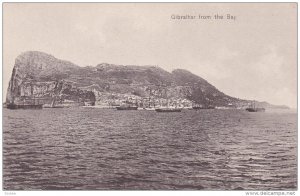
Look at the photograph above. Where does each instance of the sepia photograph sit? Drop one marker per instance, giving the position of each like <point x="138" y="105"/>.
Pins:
<point x="149" y="96"/>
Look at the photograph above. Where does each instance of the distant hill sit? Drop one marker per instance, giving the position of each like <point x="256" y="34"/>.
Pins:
<point x="40" y="75"/>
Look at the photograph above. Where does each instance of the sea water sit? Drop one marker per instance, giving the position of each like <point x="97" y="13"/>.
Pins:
<point x="106" y="149"/>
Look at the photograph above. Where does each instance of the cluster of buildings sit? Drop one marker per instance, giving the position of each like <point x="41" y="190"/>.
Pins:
<point x="116" y="99"/>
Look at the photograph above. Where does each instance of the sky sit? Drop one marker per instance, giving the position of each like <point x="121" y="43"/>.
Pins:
<point x="252" y="57"/>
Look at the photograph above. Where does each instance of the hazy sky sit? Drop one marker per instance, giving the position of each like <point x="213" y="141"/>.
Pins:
<point x="251" y="57"/>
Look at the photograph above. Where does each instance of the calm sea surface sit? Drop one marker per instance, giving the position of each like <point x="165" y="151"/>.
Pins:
<point x="89" y="149"/>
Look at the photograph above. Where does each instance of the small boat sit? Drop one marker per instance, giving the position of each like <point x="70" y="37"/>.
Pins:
<point x="168" y="110"/>
<point x="253" y="108"/>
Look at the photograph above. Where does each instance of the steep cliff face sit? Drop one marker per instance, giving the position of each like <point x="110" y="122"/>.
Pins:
<point x="37" y="75"/>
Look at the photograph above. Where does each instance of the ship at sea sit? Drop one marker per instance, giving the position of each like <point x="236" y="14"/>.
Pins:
<point x="168" y="110"/>
<point x="253" y="108"/>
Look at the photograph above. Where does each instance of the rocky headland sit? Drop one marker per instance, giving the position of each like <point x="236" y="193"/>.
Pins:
<point x="40" y="77"/>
